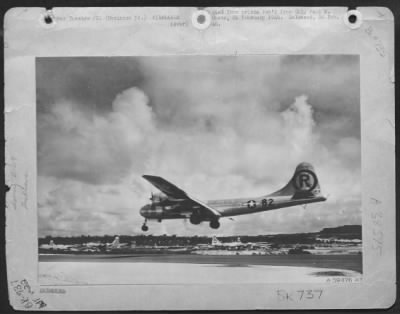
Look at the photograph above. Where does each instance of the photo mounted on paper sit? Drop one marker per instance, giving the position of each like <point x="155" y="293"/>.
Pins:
<point x="199" y="169"/>
<point x="242" y="154"/>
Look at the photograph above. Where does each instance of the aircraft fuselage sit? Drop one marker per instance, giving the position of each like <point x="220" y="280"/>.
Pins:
<point x="227" y="207"/>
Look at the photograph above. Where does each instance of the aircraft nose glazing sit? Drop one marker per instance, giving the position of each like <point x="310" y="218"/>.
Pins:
<point x="144" y="211"/>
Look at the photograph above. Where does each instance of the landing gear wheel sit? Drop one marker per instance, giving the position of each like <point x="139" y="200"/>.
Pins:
<point x="214" y="224"/>
<point x="145" y="228"/>
<point x="195" y="219"/>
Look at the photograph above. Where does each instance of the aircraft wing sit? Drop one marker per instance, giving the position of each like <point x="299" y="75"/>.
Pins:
<point x="166" y="187"/>
<point x="211" y="210"/>
<point x="174" y="192"/>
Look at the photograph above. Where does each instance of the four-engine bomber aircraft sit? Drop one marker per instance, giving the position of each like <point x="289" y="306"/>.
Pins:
<point x="174" y="203"/>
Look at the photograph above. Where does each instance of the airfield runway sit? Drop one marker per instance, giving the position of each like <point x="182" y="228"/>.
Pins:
<point x="346" y="262"/>
<point x="193" y="269"/>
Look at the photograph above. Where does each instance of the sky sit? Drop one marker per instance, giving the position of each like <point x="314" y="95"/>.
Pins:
<point x="216" y="126"/>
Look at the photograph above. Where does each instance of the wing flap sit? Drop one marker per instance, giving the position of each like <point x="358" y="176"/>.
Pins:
<point x="213" y="211"/>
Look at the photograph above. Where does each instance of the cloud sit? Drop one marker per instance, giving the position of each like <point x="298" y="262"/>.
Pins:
<point x="95" y="148"/>
<point x="299" y="124"/>
<point x="70" y="207"/>
<point x="216" y="127"/>
<point x="89" y="81"/>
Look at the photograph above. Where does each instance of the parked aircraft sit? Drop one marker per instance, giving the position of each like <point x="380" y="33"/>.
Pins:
<point x="238" y="244"/>
<point x="116" y="244"/>
<point x="174" y="203"/>
<point x="235" y="245"/>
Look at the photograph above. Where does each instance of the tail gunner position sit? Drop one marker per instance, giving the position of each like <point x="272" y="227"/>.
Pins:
<point x="174" y="203"/>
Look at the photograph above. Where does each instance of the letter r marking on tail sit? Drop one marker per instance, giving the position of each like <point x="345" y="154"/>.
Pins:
<point x="305" y="180"/>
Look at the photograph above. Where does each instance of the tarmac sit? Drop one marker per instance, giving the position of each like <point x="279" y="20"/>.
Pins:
<point x="69" y="269"/>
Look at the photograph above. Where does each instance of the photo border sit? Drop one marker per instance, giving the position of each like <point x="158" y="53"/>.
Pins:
<point x="385" y="277"/>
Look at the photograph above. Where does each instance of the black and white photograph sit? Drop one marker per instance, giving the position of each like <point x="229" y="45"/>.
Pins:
<point x="186" y="159"/>
<point x="199" y="169"/>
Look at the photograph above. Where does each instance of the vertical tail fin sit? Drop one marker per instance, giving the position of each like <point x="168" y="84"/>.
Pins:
<point x="115" y="244"/>
<point x="215" y="241"/>
<point x="304" y="183"/>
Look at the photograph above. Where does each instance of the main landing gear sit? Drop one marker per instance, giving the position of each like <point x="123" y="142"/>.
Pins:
<point x="195" y="219"/>
<point x="214" y="224"/>
<point x="144" y="226"/>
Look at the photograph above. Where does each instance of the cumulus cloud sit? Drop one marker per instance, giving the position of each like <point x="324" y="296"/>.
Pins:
<point x="299" y="125"/>
<point x="203" y="126"/>
<point x="95" y="148"/>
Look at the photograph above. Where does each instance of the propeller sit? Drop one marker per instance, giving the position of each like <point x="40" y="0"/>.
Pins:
<point x="153" y="197"/>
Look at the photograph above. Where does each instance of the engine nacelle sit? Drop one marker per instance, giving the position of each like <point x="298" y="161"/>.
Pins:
<point x="158" y="198"/>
